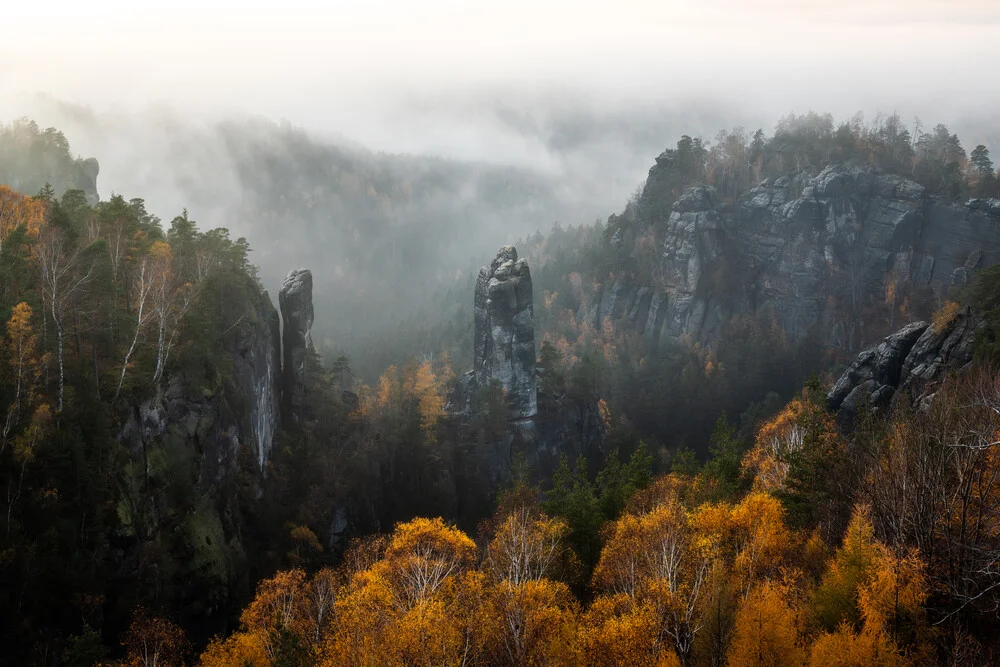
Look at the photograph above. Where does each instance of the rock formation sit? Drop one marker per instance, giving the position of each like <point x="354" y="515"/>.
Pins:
<point x="906" y="366"/>
<point x="504" y="347"/>
<point x="812" y="250"/>
<point x="541" y="427"/>
<point x="295" y="301"/>
<point x="86" y="178"/>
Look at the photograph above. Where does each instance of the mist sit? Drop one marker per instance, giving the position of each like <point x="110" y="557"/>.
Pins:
<point x="569" y="101"/>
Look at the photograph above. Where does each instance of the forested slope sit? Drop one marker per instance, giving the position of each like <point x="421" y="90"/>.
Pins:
<point x="730" y="511"/>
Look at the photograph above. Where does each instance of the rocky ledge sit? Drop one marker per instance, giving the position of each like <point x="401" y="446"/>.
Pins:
<point x="906" y="366"/>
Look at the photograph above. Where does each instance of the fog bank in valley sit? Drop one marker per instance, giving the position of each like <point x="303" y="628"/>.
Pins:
<point x="392" y="145"/>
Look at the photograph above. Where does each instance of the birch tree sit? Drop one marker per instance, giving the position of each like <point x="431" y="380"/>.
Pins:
<point x="66" y="273"/>
<point x="142" y="282"/>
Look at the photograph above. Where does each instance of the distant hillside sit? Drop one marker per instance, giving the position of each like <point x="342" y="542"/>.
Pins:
<point x="31" y="158"/>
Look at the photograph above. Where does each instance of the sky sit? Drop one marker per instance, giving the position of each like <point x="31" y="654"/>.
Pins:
<point x="348" y="67"/>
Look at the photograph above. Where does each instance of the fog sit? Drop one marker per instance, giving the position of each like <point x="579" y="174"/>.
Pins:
<point x="576" y="97"/>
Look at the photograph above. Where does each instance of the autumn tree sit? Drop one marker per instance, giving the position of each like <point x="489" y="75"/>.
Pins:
<point x="397" y="609"/>
<point x="875" y="588"/>
<point x="171" y="298"/>
<point x="934" y="485"/>
<point x="17" y="210"/>
<point x="658" y="560"/>
<point x="615" y="630"/>
<point x="153" y="641"/>
<point x="760" y="536"/>
<point x="527" y="545"/>
<point x="535" y="623"/>
<point x="279" y="617"/>
<point x="769" y="628"/>
<point x="421" y="555"/>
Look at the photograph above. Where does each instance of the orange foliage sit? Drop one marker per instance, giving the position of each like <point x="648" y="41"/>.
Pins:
<point x="536" y="623"/>
<point x="761" y="537"/>
<point x="526" y="546"/>
<point x="619" y="632"/>
<point x="844" y="648"/>
<point x="775" y="440"/>
<point x="768" y="629"/>
<point x="241" y="648"/>
<point x="421" y="555"/>
<point x="16" y="210"/>
<point x="945" y="315"/>
<point x="674" y="585"/>
<point x="799" y="422"/>
<point x="25" y="368"/>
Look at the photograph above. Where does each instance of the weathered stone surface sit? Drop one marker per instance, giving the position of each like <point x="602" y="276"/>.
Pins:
<point x="215" y="425"/>
<point x="801" y="248"/>
<point x="504" y="331"/>
<point x="295" y="301"/>
<point x="878" y="366"/>
<point x="906" y="366"/>
<point x="541" y="427"/>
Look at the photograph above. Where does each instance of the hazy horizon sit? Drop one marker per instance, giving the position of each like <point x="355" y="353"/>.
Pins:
<point x="584" y="94"/>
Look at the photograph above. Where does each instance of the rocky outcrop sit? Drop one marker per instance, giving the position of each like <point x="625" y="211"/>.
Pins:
<point x="86" y="178"/>
<point x="504" y="331"/>
<point x="814" y="251"/>
<point x="540" y="427"/>
<point x="295" y="301"/>
<point x="906" y="366"/>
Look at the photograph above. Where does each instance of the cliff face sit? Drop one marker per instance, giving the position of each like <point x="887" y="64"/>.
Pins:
<point x="815" y="251"/>
<point x="193" y="443"/>
<point x="214" y="425"/>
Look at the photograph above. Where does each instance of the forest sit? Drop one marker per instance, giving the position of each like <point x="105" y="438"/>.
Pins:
<point x="730" y="517"/>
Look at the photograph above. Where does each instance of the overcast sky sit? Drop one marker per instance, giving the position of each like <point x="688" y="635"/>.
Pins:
<point x="344" y="66"/>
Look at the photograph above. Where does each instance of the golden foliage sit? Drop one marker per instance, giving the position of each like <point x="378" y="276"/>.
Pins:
<point x="619" y="631"/>
<point x="536" y="623"/>
<point x="761" y="536"/>
<point x="526" y="546"/>
<point x="427" y="389"/>
<point x="240" y="649"/>
<point x="711" y="584"/>
<point x="768" y="629"/>
<point x="945" y="315"/>
<point x="24" y="371"/>
<point x="802" y="421"/>
<point x="776" y="439"/>
<point x="844" y="648"/>
<point x="421" y="555"/>
<point x="16" y="210"/>
<point x="278" y="606"/>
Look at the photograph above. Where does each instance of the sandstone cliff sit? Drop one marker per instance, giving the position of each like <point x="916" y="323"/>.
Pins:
<point x="815" y="251"/>
<point x="215" y="424"/>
